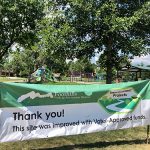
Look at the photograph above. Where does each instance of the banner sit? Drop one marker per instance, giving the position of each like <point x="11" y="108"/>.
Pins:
<point x="29" y="111"/>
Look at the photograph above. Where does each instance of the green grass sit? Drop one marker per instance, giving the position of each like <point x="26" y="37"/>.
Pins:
<point x="17" y="79"/>
<point x="56" y="83"/>
<point x="9" y="79"/>
<point x="127" y="139"/>
<point x="62" y="83"/>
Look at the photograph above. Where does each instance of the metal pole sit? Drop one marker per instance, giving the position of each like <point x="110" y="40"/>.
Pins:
<point x="147" y="139"/>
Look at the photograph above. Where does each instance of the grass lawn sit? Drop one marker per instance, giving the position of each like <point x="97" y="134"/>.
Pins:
<point x="16" y="79"/>
<point x="127" y="139"/>
<point x="11" y="79"/>
<point x="62" y="83"/>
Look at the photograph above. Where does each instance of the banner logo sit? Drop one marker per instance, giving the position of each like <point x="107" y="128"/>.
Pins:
<point x="37" y="95"/>
<point x="120" y="100"/>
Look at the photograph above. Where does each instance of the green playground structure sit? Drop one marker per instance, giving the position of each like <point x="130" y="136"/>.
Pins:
<point x="43" y="74"/>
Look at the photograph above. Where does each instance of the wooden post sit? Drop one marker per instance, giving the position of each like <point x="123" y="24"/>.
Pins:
<point x="147" y="139"/>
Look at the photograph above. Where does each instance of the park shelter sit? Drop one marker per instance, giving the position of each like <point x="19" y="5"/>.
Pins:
<point x="138" y="69"/>
<point x="135" y="72"/>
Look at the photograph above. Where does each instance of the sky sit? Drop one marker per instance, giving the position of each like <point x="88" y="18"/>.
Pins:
<point x="142" y="62"/>
<point x="136" y="60"/>
<point x="143" y="59"/>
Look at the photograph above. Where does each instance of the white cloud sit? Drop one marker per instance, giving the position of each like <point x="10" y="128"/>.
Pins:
<point x="142" y="62"/>
<point x="143" y="59"/>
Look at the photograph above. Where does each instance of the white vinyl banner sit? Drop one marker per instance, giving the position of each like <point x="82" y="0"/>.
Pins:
<point x="49" y="121"/>
<point x="28" y="113"/>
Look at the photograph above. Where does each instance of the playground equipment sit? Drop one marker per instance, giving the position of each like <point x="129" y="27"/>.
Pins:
<point x="43" y="74"/>
<point x="84" y="76"/>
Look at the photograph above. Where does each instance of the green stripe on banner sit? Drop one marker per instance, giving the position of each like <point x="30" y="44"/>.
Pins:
<point x="21" y="94"/>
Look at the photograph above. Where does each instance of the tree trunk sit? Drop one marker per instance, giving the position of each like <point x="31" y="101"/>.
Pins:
<point x="109" y="77"/>
<point x="109" y="63"/>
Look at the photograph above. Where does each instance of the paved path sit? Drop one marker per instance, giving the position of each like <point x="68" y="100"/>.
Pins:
<point x="118" y="109"/>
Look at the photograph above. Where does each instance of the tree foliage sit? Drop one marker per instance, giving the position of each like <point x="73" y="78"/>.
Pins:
<point x="18" y="19"/>
<point x="83" y="65"/>
<point x="119" y="28"/>
<point x="22" y="62"/>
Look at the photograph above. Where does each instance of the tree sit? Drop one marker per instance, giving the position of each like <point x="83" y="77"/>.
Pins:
<point x="21" y="62"/>
<point x="111" y="26"/>
<point x="18" y="19"/>
<point x="52" y="45"/>
<point x="83" y="65"/>
<point x="25" y="61"/>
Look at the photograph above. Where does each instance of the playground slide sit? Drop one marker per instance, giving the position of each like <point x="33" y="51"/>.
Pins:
<point x="43" y="74"/>
<point x="49" y="76"/>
